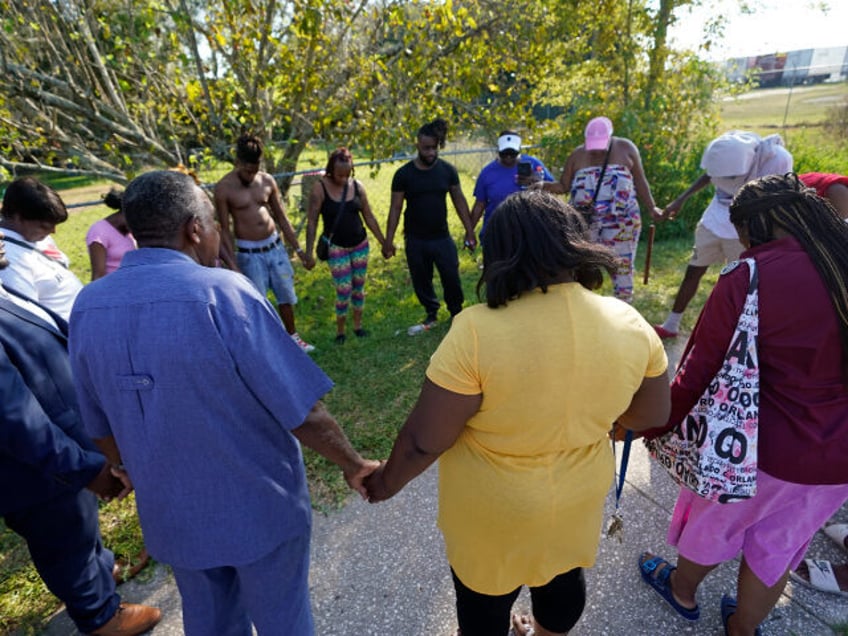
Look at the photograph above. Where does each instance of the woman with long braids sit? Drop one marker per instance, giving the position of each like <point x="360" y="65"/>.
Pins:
<point x="343" y="206"/>
<point x="524" y="458"/>
<point x="800" y="246"/>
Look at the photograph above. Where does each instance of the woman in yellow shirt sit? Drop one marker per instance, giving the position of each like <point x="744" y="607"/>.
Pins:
<point x="518" y="402"/>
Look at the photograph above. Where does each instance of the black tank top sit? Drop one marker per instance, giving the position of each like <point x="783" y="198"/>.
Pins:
<point x="350" y="231"/>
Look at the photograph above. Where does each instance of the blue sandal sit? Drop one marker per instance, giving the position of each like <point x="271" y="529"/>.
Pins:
<point x="728" y="608"/>
<point x="659" y="580"/>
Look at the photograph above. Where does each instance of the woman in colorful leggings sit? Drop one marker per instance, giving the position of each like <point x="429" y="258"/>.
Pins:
<point x="343" y="205"/>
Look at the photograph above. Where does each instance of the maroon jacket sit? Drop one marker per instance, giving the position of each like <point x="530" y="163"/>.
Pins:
<point x="803" y="427"/>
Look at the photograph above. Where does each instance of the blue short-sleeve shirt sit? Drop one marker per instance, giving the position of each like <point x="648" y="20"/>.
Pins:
<point x="496" y="182"/>
<point x="192" y="372"/>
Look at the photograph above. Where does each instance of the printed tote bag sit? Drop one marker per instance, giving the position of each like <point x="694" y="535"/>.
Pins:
<point x="713" y="451"/>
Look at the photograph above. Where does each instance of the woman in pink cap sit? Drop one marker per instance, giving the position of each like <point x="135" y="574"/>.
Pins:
<point x="606" y="173"/>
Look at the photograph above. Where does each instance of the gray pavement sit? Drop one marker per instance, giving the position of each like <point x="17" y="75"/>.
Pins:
<point x="380" y="570"/>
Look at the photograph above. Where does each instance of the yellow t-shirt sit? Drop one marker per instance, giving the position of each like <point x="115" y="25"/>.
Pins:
<point x="521" y="493"/>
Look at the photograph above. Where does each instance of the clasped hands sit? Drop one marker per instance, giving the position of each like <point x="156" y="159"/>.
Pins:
<point x="369" y="481"/>
<point x="112" y="482"/>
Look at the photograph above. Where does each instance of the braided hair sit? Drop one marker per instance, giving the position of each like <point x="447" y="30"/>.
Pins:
<point x="530" y="240"/>
<point x="784" y="202"/>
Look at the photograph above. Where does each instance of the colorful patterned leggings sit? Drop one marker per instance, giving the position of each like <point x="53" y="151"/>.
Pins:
<point x="621" y="233"/>
<point x="348" y="266"/>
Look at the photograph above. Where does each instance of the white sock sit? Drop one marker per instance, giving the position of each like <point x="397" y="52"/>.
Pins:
<point x="672" y="323"/>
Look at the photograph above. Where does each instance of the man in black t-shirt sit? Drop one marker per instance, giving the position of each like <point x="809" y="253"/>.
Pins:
<point x="424" y="183"/>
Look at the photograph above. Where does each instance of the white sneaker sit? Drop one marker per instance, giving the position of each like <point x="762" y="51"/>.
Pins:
<point x="304" y="346"/>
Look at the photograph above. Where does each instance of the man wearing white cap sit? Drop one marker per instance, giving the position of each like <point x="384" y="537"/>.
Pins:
<point x="729" y="162"/>
<point x="510" y="172"/>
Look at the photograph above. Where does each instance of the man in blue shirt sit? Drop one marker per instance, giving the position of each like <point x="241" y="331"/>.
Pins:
<point x="500" y="178"/>
<point x="191" y="384"/>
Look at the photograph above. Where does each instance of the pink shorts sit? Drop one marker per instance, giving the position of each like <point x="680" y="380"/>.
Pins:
<point x="772" y="529"/>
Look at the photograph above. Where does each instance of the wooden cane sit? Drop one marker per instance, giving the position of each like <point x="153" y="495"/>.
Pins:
<point x="651" y="231"/>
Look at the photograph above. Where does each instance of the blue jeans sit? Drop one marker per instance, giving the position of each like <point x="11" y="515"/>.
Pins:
<point x="270" y="270"/>
<point x="421" y="256"/>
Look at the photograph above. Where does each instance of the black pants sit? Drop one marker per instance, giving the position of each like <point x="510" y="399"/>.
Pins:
<point x="421" y="256"/>
<point x="63" y="536"/>
<point x="557" y="606"/>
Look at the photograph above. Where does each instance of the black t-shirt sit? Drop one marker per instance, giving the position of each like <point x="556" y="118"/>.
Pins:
<point x="349" y="232"/>
<point x="425" y="191"/>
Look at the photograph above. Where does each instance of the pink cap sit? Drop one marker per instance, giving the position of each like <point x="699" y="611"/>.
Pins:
<point x="598" y="133"/>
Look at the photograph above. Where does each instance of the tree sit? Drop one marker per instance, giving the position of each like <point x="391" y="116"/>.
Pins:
<point x="87" y="86"/>
<point x="107" y="88"/>
<point x="622" y="67"/>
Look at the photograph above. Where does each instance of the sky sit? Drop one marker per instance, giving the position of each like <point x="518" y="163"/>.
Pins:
<point x="775" y="26"/>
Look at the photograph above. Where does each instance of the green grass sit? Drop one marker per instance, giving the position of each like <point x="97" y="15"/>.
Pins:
<point x="764" y="110"/>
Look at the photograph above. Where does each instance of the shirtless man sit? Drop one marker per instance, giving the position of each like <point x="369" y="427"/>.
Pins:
<point x="252" y="199"/>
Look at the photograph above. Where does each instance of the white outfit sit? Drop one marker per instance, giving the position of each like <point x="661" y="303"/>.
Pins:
<point x="40" y="277"/>
<point x="769" y="157"/>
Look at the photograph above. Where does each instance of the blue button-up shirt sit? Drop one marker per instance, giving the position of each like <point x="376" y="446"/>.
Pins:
<point x="192" y="372"/>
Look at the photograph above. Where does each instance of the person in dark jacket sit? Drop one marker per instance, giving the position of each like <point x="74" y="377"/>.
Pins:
<point x="50" y="470"/>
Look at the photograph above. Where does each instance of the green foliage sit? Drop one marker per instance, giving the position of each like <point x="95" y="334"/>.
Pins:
<point x="110" y="88"/>
<point x="663" y="100"/>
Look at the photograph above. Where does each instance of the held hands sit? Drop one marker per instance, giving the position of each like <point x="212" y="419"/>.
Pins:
<point x="306" y="259"/>
<point x="357" y="477"/>
<point x="470" y="241"/>
<point x="657" y="214"/>
<point x="123" y="476"/>
<point x="389" y="250"/>
<point x="111" y="483"/>
<point x="672" y="209"/>
<point x="617" y="433"/>
<point x="376" y="486"/>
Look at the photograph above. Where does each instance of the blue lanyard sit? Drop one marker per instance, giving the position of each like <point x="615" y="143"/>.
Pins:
<point x="625" y="457"/>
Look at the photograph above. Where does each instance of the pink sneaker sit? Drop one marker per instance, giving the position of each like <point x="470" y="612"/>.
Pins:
<point x="664" y="333"/>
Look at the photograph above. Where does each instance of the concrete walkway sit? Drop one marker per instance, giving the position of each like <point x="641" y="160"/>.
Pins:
<point x="380" y="570"/>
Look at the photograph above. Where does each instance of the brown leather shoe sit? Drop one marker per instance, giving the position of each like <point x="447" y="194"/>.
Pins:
<point x="130" y="620"/>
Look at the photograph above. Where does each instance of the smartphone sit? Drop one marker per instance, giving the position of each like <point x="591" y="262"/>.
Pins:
<point x="524" y="169"/>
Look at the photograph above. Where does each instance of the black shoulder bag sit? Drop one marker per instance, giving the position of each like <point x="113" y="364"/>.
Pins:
<point x="322" y="250"/>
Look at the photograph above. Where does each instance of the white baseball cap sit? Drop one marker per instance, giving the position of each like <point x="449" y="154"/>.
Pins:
<point x="509" y="142"/>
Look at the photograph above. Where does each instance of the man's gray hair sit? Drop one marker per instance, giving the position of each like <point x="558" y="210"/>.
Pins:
<point x="157" y="204"/>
